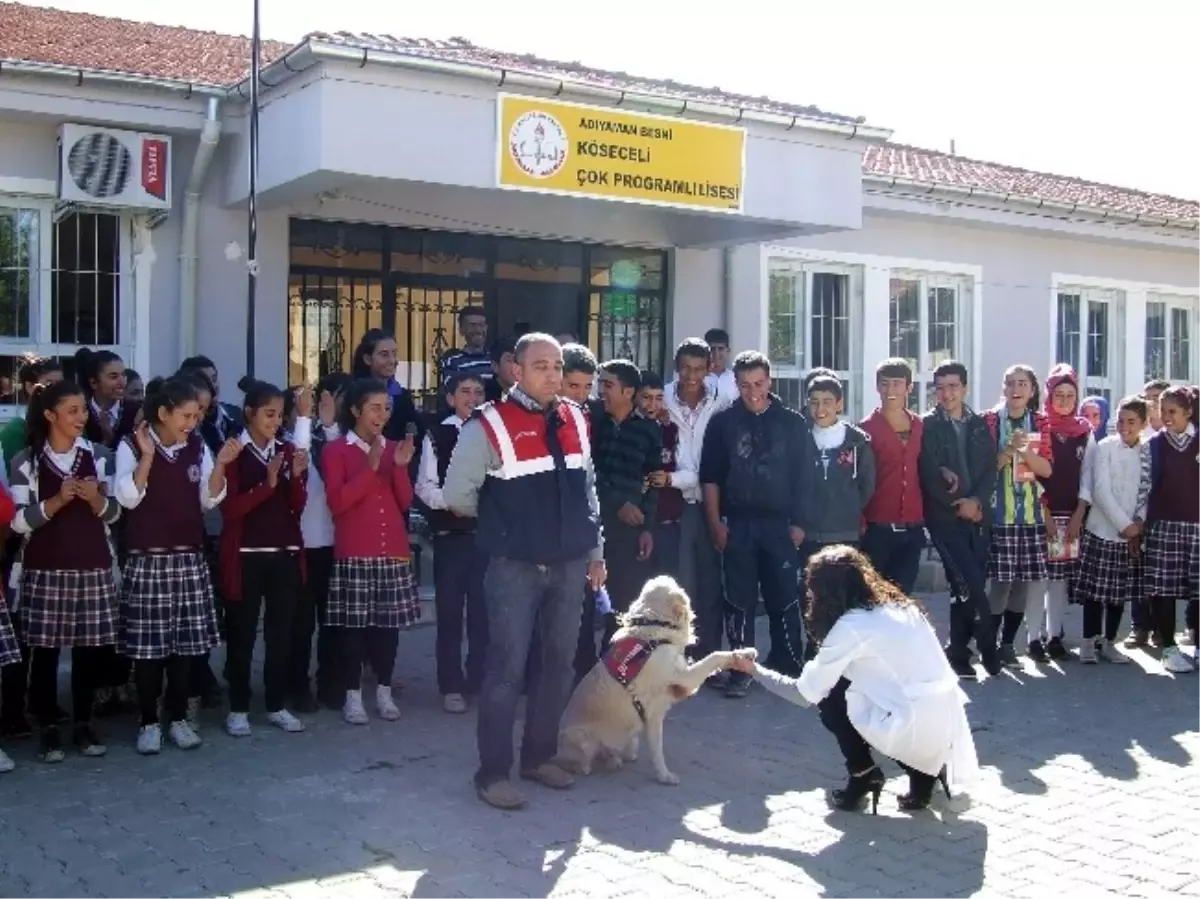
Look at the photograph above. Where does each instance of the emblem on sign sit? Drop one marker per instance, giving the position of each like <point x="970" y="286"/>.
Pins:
<point x="538" y="144"/>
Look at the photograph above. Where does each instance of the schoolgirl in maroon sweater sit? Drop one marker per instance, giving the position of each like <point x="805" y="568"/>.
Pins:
<point x="372" y="593"/>
<point x="1173" y="520"/>
<point x="167" y="478"/>
<point x="68" y="598"/>
<point x="262" y="553"/>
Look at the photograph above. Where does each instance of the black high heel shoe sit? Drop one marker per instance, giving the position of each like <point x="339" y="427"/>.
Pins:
<point x="857" y="788"/>
<point x="918" y="798"/>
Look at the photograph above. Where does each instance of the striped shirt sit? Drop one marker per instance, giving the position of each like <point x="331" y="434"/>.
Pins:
<point x="464" y="361"/>
<point x="624" y="453"/>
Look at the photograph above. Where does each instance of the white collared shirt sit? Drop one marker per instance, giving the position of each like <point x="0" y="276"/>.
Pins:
<point x="264" y="455"/>
<point x="316" y="524"/>
<point x="354" y="440"/>
<point x="428" y="487"/>
<point x="692" y="423"/>
<point x="113" y="414"/>
<point x="130" y="496"/>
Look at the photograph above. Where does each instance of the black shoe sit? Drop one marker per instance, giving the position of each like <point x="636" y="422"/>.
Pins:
<point x="304" y="702"/>
<point x="718" y="681"/>
<point x="331" y="698"/>
<point x="15" y="726"/>
<point x="50" y="746"/>
<point x="1038" y="651"/>
<point x="918" y="798"/>
<point x="112" y="702"/>
<point x="850" y="797"/>
<point x="992" y="665"/>
<point x="1056" y="650"/>
<point x="87" y="741"/>
<point x="738" y="685"/>
<point x="963" y="668"/>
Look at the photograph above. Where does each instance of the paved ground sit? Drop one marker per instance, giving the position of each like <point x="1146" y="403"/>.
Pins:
<point x="1091" y="788"/>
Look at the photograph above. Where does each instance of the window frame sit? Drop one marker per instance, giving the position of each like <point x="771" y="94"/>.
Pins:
<point x="41" y="308"/>
<point x="1190" y="306"/>
<point x="1114" y="299"/>
<point x="962" y="284"/>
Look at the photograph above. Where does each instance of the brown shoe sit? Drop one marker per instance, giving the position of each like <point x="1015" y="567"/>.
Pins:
<point x="502" y="795"/>
<point x="549" y="774"/>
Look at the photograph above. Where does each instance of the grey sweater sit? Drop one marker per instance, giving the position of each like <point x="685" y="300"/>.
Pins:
<point x="838" y="484"/>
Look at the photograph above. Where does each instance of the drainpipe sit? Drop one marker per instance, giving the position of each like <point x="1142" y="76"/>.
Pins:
<point x="727" y="289"/>
<point x="188" y="242"/>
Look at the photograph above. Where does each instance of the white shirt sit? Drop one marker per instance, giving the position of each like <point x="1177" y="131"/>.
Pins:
<point x="692" y="424"/>
<point x="130" y="496"/>
<point x="113" y="414"/>
<point x="722" y="386"/>
<point x="65" y="463"/>
<point x="903" y="698"/>
<point x="316" y="523"/>
<point x="428" y="488"/>
<point x="1116" y="482"/>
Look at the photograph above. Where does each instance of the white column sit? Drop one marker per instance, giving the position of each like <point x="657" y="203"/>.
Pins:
<point x="143" y="267"/>
<point x="1133" y="372"/>
<point x="876" y="339"/>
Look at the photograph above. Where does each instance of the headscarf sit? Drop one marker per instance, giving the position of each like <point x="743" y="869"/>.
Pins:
<point x="1073" y="424"/>
<point x="1101" y="405"/>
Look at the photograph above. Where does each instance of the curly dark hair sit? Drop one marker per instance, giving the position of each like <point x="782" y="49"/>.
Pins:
<point x="840" y="579"/>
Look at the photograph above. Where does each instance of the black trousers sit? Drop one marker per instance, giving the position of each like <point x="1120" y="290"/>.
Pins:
<point x="87" y="668"/>
<point x="855" y="750"/>
<point x="270" y="584"/>
<point x="1162" y="612"/>
<point x="627" y="574"/>
<point x="1140" y="615"/>
<point x="760" y="556"/>
<point x="1107" y="614"/>
<point x="148" y="676"/>
<point x="963" y="549"/>
<point x="308" y="616"/>
<point x="458" y="569"/>
<point x="374" y="646"/>
<point x="895" y="552"/>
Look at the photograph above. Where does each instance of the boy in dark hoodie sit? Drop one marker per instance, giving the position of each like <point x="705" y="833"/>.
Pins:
<point x="839" y="474"/>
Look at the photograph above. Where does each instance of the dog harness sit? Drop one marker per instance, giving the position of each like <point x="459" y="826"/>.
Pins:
<point x="627" y="657"/>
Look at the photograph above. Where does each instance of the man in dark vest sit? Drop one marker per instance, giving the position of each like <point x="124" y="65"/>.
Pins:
<point x="523" y="469"/>
<point x="458" y="563"/>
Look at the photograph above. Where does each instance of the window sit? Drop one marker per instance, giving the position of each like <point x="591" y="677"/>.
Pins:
<point x="60" y="285"/>
<point x="814" y="320"/>
<point x="1171" y="338"/>
<point x="925" y="327"/>
<point x="1087" y="337"/>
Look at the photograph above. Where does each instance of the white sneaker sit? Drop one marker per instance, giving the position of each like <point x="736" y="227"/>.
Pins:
<point x="384" y="704"/>
<point x="1108" y="652"/>
<point x="6" y="764"/>
<point x="1176" y="662"/>
<point x="193" y="713"/>
<point x="237" y="724"/>
<point x="285" y="720"/>
<point x="149" y="739"/>
<point x="353" y="711"/>
<point x="183" y="736"/>
<point x="454" y="703"/>
<point x="1087" y="651"/>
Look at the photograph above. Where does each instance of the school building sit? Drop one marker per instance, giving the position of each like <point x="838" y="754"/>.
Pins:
<point x="400" y="180"/>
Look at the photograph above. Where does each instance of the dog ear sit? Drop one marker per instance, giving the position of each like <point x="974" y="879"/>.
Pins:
<point x="679" y="606"/>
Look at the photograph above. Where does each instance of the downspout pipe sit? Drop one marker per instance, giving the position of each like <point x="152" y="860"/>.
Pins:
<point x="210" y="136"/>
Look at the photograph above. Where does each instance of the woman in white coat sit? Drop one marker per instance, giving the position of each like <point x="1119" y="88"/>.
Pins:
<point x="880" y="679"/>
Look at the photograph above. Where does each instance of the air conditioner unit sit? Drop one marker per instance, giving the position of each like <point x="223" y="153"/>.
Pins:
<point x="116" y="169"/>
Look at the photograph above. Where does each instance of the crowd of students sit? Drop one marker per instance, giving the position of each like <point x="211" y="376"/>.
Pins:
<point x="147" y="527"/>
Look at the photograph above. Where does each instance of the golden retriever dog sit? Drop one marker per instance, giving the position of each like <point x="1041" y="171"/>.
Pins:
<point x="633" y="687"/>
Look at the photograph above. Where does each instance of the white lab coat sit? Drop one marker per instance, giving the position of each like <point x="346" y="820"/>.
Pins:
<point x="903" y="697"/>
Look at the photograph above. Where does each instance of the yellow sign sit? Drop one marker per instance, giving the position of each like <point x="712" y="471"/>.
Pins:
<point x="553" y="147"/>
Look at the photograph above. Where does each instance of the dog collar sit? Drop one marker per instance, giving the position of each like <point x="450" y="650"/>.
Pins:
<point x="649" y="622"/>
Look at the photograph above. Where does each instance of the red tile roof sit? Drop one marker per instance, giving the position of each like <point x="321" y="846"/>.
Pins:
<point x="933" y="168"/>
<point x="81" y="40"/>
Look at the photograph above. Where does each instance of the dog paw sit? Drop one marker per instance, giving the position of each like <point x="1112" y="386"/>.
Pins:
<point x="667" y="779"/>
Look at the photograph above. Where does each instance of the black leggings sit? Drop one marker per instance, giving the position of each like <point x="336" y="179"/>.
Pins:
<point x="1162" y="618"/>
<point x="87" y="672"/>
<point x="148" y="675"/>
<point x="375" y="646"/>
<point x="1110" y="612"/>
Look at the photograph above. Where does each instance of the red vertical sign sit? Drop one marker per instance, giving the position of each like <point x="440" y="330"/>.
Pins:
<point x="154" y="167"/>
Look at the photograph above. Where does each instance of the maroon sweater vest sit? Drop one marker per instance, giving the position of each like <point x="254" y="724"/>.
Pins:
<point x="445" y="438"/>
<point x="169" y="515"/>
<point x="1175" y="495"/>
<point x="74" y="539"/>
<point x="1061" y="494"/>
<point x="272" y="523"/>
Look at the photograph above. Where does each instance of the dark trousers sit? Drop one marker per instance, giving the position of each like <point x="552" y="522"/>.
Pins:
<point x="309" y="614"/>
<point x="963" y="548"/>
<point x="895" y="552"/>
<point x="700" y="576"/>
<point x="270" y="584"/>
<point x="458" y="569"/>
<point x="203" y="682"/>
<point x="522" y="597"/>
<point x="666" y="550"/>
<point x="1140" y="616"/>
<point x="760" y="556"/>
<point x="114" y="668"/>
<point x="14" y="681"/>
<point x="1163" y="618"/>
<point x="585" y="648"/>
<point x="627" y="574"/>
<point x="1097" y="613"/>
<point x="87" y="666"/>
<point x="374" y="646"/>
<point x="148" y="676"/>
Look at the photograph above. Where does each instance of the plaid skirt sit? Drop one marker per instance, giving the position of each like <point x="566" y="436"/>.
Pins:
<point x="166" y="606"/>
<point x="1108" y="571"/>
<point x="1062" y="569"/>
<point x="10" y="650"/>
<point x="1173" y="559"/>
<point x="68" y="608"/>
<point x="372" y="592"/>
<point x="1017" y="553"/>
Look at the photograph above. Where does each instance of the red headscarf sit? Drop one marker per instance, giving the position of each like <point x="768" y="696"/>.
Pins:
<point x="1073" y="424"/>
